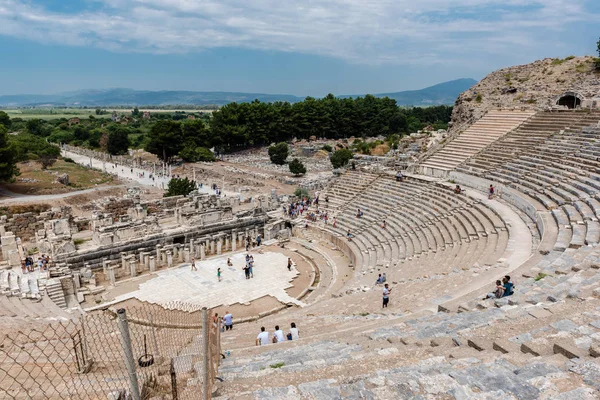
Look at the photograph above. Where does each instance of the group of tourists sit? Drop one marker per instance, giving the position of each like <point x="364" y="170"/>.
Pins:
<point x="296" y="209"/>
<point x="29" y="264"/>
<point x="279" y="336"/>
<point x="253" y="242"/>
<point x="318" y="216"/>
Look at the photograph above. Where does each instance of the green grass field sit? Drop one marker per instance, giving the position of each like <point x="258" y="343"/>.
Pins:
<point x="52" y="113"/>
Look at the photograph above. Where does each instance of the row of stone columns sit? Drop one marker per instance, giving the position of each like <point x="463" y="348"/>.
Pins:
<point x="172" y="254"/>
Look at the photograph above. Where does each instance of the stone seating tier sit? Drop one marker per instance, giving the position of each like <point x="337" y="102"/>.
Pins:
<point x="531" y="134"/>
<point x="549" y="333"/>
<point x="427" y="225"/>
<point x="482" y="133"/>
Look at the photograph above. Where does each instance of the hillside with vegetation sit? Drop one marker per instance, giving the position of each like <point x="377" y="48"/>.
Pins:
<point x="535" y="86"/>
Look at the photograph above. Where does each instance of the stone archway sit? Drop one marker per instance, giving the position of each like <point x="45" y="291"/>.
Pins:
<point x="569" y="99"/>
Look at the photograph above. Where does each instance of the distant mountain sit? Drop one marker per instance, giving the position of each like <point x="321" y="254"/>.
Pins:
<point x="443" y="93"/>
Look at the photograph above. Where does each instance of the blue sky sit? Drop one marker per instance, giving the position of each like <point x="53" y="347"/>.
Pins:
<point x="302" y="47"/>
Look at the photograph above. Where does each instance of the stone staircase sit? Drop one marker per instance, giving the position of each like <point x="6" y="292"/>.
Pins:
<point x="492" y="126"/>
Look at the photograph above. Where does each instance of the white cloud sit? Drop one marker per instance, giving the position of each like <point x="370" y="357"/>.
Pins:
<point x="363" y="31"/>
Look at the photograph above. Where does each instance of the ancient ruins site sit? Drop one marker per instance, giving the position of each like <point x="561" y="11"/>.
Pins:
<point x="131" y="298"/>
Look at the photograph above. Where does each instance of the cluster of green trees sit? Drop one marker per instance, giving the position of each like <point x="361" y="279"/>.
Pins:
<point x="238" y="126"/>
<point x="22" y="147"/>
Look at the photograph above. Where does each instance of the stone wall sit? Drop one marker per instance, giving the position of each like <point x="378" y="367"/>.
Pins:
<point x="25" y="225"/>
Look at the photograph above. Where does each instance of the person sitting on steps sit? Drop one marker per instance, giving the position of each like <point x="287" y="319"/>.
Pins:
<point x="497" y="293"/>
<point x="458" y="189"/>
<point x="508" y="286"/>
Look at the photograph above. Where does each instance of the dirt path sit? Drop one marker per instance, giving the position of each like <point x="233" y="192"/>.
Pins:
<point x="7" y="197"/>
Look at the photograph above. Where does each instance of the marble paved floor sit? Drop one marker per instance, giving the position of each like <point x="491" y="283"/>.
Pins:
<point x="271" y="277"/>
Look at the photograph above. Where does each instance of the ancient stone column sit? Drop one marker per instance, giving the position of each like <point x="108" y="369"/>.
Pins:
<point x="226" y="243"/>
<point x="169" y="259"/>
<point x="175" y="251"/>
<point x="132" y="270"/>
<point x="152" y="264"/>
<point x="105" y="265"/>
<point x="111" y="275"/>
<point x="187" y="255"/>
<point x="212" y="247"/>
<point x="123" y="260"/>
<point x="76" y="280"/>
<point x="192" y="246"/>
<point x="180" y="254"/>
<point x="219" y="246"/>
<point x="233" y="241"/>
<point x="142" y="259"/>
<point x="158" y="246"/>
<point x="202" y="254"/>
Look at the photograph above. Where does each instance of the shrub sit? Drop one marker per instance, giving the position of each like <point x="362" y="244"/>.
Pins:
<point x="193" y="154"/>
<point x="327" y="148"/>
<point x="205" y="154"/>
<point x="296" y="167"/>
<point x="68" y="160"/>
<point x="301" y="193"/>
<point x="278" y="153"/>
<point x="341" y="157"/>
<point x="180" y="187"/>
<point x="478" y="98"/>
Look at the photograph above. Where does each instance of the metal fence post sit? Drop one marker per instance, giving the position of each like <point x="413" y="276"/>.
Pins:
<point x="205" y="373"/>
<point x="128" y="352"/>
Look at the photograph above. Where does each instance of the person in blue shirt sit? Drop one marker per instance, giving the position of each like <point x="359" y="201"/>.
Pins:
<point x="508" y="286"/>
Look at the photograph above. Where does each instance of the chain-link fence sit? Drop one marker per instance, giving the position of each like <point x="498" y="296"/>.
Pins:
<point x="138" y="352"/>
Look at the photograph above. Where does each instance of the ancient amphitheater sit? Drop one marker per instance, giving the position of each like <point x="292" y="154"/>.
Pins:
<point x="65" y="335"/>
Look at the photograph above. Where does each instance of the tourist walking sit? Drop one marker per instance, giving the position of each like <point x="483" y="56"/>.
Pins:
<point x="289" y="264"/>
<point x="194" y="264"/>
<point x="491" y="191"/>
<point x="219" y="274"/>
<point x="386" y="295"/>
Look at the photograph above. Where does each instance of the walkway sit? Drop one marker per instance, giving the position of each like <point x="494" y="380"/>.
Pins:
<point x="16" y="198"/>
<point x="122" y="171"/>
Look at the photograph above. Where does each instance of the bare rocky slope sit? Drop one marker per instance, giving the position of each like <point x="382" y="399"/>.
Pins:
<point x="534" y="86"/>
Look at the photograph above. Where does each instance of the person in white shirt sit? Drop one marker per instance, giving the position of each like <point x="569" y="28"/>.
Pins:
<point x="278" y="335"/>
<point x="228" y="319"/>
<point x="294" y="333"/>
<point x="263" y="337"/>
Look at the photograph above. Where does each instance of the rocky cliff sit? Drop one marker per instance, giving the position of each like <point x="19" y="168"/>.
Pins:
<point x="532" y="86"/>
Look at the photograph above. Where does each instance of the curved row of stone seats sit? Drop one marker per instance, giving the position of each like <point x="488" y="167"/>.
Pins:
<point x="570" y="192"/>
<point x="425" y="222"/>
<point x="482" y="133"/>
<point x="539" y="343"/>
<point x="527" y="137"/>
<point x="345" y="188"/>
